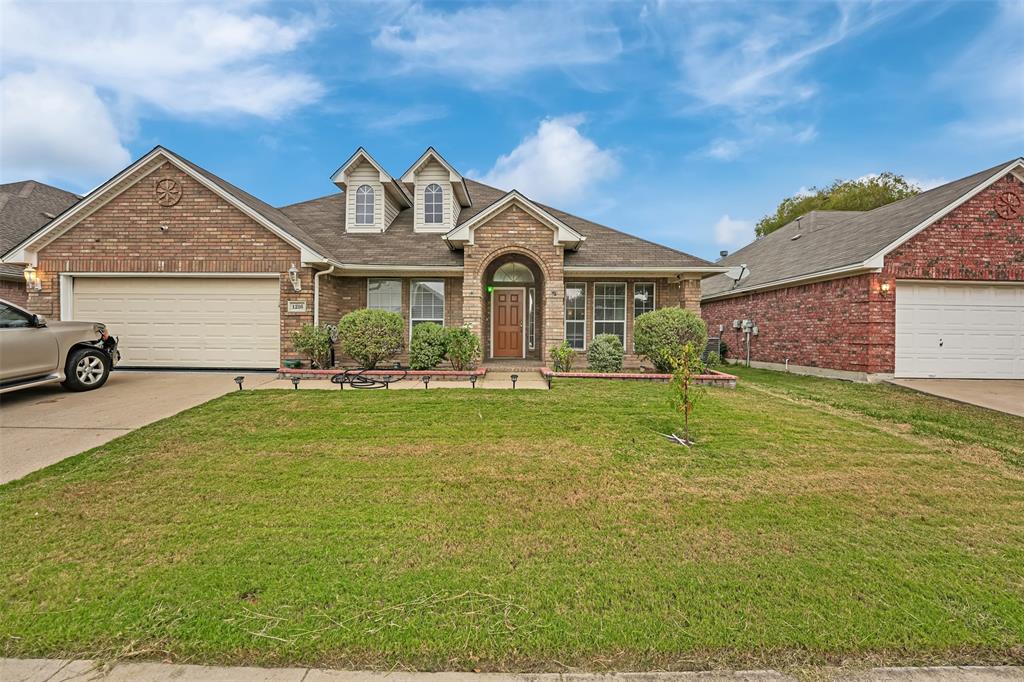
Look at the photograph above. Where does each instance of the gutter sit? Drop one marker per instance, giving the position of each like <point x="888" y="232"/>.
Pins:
<point x="316" y="294"/>
<point x="821" y="275"/>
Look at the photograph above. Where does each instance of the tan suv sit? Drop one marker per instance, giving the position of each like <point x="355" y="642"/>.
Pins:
<point x="80" y="355"/>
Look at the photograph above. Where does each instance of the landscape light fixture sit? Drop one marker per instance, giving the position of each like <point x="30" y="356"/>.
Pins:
<point x="295" y="382"/>
<point x="472" y="381"/>
<point x="426" y="381"/>
<point x="239" y="380"/>
<point x="549" y="382"/>
<point x="386" y="380"/>
<point x="515" y="378"/>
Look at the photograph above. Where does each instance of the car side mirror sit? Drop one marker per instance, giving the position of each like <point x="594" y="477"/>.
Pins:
<point x="38" y="321"/>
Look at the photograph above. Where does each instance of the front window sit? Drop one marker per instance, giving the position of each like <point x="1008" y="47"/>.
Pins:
<point x="576" y="314"/>
<point x="610" y="310"/>
<point x="384" y="294"/>
<point x="643" y="298"/>
<point x="426" y="302"/>
<point x="433" y="201"/>
<point x="364" y="205"/>
<point x="513" y="272"/>
<point x="531" y="318"/>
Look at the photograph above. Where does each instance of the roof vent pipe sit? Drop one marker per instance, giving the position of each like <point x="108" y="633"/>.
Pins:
<point x="723" y="254"/>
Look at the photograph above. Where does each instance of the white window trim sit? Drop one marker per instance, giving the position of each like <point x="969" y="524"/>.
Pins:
<point x="440" y="221"/>
<point x="522" y="289"/>
<point x="625" y="314"/>
<point x="373" y="205"/>
<point x="565" y="320"/>
<point x="444" y="303"/>
<point x="654" y="306"/>
<point x="370" y="280"/>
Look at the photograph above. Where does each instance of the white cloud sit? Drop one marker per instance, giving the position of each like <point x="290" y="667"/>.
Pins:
<point x="927" y="183"/>
<point x="751" y="134"/>
<point x="55" y="129"/>
<point x="724" y="150"/>
<point x="131" y="60"/>
<point x="482" y="45"/>
<point x="556" y="163"/>
<point x="733" y="232"/>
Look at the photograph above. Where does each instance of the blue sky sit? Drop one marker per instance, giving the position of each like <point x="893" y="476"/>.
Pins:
<point x="679" y="122"/>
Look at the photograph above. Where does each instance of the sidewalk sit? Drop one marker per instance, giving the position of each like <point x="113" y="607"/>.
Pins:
<point x="44" y="670"/>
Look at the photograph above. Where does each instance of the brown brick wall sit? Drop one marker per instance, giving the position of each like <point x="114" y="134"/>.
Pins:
<point x="847" y="324"/>
<point x="204" y="234"/>
<point x="14" y="291"/>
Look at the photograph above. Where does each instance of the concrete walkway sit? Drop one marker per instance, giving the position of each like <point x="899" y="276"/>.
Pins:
<point x="1004" y="395"/>
<point x="44" y="670"/>
<point x="43" y="425"/>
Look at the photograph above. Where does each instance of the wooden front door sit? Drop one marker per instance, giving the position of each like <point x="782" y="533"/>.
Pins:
<point x="508" y="323"/>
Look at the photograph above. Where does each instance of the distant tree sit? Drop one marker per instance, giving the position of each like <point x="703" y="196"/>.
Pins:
<point x="842" y="195"/>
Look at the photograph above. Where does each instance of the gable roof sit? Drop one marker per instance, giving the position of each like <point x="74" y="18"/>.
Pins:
<point x="454" y="176"/>
<point x="563" y="234"/>
<point x="844" y="242"/>
<point x="604" y="248"/>
<point x="360" y="155"/>
<point x="24" y="208"/>
<point x="260" y="211"/>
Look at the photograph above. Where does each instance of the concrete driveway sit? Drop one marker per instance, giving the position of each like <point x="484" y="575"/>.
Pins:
<point x="1004" y="395"/>
<point x="41" y="426"/>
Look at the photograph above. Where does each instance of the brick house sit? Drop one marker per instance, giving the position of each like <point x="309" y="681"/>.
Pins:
<point x="930" y="286"/>
<point x="191" y="271"/>
<point x="24" y="208"/>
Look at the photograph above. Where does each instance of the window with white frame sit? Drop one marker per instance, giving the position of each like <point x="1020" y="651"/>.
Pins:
<point x="426" y="302"/>
<point x="364" y="205"/>
<point x="384" y="294"/>
<point x="610" y="309"/>
<point x="576" y="314"/>
<point x="433" y="203"/>
<point x="531" y="318"/>
<point x="643" y="298"/>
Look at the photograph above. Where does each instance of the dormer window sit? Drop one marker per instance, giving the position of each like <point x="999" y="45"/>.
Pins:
<point x="364" y="205"/>
<point x="433" y="201"/>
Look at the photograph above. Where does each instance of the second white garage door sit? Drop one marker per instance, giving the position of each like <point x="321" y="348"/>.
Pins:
<point x="186" y="321"/>
<point x="960" y="331"/>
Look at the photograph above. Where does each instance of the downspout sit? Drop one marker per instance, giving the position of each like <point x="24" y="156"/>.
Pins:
<point x="316" y="294"/>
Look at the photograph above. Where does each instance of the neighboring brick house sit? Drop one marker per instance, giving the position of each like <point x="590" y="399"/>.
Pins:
<point x="930" y="286"/>
<point x="24" y="208"/>
<point x="191" y="271"/>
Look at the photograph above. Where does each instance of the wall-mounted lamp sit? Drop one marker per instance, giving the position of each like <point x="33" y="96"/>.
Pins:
<point x="32" y="282"/>
<point x="884" y="289"/>
<point x="293" y="277"/>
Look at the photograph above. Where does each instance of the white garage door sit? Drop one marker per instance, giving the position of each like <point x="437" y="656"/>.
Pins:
<point x="960" y="331"/>
<point x="185" y="321"/>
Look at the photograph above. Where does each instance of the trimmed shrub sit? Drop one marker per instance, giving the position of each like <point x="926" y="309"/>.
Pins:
<point x="714" y="360"/>
<point x="661" y="334"/>
<point x="463" y="348"/>
<point x="563" y="357"/>
<point x="370" y="336"/>
<point x="315" y="342"/>
<point x="429" y="343"/>
<point x="605" y="353"/>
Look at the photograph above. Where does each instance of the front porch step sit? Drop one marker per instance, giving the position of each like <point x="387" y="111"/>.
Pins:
<point x="512" y="365"/>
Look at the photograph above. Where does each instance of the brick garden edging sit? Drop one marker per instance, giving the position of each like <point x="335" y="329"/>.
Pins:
<point x="438" y="374"/>
<point x="713" y="378"/>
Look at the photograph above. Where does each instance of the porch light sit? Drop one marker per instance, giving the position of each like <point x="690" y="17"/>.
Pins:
<point x="490" y="289"/>
<point x="426" y="381"/>
<point x="515" y="378"/>
<point x="32" y="282"/>
<point x="295" y="382"/>
<point x="239" y="380"/>
<point x="293" y="277"/>
<point x="884" y="289"/>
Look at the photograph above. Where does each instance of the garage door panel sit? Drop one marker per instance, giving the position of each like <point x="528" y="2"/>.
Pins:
<point x="186" y="322"/>
<point x="959" y="330"/>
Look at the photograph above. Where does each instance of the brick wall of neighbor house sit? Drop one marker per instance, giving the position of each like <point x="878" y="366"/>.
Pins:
<point x="204" y="234"/>
<point x="847" y="324"/>
<point x="342" y="295"/>
<point x="515" y="231"/>
<point x="14" y="291"/>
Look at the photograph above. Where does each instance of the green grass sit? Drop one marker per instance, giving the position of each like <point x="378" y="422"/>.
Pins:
<point x="815" y="522"/>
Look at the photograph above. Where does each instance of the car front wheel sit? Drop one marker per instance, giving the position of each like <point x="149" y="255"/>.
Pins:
<point x="87" y="369"/>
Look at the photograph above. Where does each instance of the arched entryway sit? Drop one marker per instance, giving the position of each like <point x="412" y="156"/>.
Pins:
<point x="513" y="285"/>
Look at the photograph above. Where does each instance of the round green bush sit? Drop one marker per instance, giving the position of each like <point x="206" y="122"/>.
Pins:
<point x="661" y="334"/>
<point x="315" y="342"/>
<point x="605" y="353"/>
<point x="463" y="348"/>
<point x="428" y="347"/>
<point x="370" y="336"/>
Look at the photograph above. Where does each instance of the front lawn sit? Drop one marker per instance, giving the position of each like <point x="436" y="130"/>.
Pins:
<point x="816" y="522"/>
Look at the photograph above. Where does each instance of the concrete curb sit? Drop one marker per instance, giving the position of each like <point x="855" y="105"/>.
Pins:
<point x="54" y="670"/>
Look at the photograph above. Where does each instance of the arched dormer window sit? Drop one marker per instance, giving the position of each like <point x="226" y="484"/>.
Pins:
<point x="364" y="205"/>
<point x="433" y="202"/>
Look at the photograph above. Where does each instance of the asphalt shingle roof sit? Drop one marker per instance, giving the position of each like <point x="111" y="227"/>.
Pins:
<point x="324" y="218"/>
<point x="835" y="239"/>
<point x="24" y="208"/>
